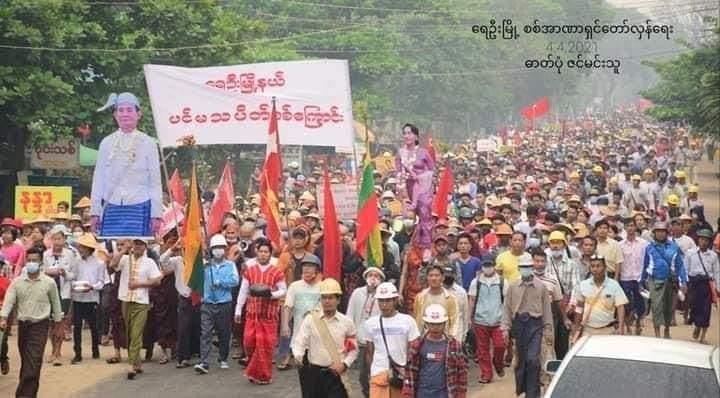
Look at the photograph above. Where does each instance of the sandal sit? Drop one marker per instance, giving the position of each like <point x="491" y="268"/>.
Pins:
<point x="244" y="361"/>
<point x="163" y="360"/>
<point x="113" y="360"/>
<point x="283" y="366"/>
<point x="131" y="375"/>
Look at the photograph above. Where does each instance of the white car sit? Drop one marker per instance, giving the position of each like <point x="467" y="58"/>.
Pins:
<point x="635" y="366"/>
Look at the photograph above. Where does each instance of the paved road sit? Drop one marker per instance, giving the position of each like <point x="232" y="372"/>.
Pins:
<point x="94" y="378"/>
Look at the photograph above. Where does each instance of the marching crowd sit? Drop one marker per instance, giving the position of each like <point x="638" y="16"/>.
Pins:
<point x="580" y="230"/>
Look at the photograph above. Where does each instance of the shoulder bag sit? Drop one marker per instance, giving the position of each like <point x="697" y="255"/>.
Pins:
<point x="396" y="377"/>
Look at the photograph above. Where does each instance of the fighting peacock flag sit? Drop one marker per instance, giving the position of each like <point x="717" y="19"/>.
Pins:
<point x="369" y="243"/>
<point x="193" y="274"/>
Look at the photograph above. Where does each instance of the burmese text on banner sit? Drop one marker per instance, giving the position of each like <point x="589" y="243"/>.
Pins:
<point x="232" y="104"/>
<point x="32" y="202"/>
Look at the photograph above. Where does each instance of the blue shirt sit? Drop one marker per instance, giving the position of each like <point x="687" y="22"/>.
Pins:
<point x="468" y="270"/>
<point x="219" y="281"/>
<point x="662" y="259"/>
<point x="488" y="300"/>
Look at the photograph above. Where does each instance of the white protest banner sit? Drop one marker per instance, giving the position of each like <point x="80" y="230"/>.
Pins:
<point x="485" y="145"/>
<point x="232" y="104"/>
<point x="345" y="197"/>
<point x="61" y="154"/>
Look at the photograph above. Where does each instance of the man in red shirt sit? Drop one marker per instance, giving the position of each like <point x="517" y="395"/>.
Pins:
<point x="264" y="283"/>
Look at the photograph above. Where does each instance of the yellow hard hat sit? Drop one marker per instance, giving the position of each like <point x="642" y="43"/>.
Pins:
<point x="636" y="177"/>
<point x="574" y="174"/>
<point x="557" y="235"/>
<point x="330" y="286"/>
<point x="680" y="174"/>
<point x="673" y="200"/>
<point x="693" y="189"/>
<point x="648" y="172"/>
<point x="613" y="180"/>
<point x="597" y="169"/>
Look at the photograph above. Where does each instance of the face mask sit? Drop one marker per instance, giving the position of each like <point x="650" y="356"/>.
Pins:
<point x="77" y="234"/>
<point x="449" y="280"/>
<point x="408" y="223"/>
<point x="218" y="253"/>
<point x="526" y="272"/>
<point x="533" y="243"/>
<point x="32" y="268"/>
<point x="487" y="271"/>
<point x="372" y="281"/>
<point x="556" y="253"/>
<point x="539" y="271"/>
<point x="545" y="238"/>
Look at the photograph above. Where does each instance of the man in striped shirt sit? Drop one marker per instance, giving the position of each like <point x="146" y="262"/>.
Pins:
<point x="567" y="274"/>
<point x="265" y="283"/>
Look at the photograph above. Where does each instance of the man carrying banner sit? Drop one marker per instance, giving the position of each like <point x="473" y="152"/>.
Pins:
<point x="126" y="188"/>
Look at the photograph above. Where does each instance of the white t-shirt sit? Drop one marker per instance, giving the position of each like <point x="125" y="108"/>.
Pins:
<point x="302" y="298"/>
<point x="399" y="331"/>
<point x="146" y="269"/>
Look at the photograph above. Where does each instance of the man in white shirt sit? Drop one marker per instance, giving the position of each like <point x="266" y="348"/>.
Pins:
<point x="138" y="273"/>
<point x="126" y="191"/>
<point x="702" y="267"/>
<point x="390" y="331"/>
<point x="89" y="280"/>
<point x="361" y="306"/>
<point x="633" y="250"/>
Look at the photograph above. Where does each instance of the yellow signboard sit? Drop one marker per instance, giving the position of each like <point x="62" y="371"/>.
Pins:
<point x="32" y="202"/>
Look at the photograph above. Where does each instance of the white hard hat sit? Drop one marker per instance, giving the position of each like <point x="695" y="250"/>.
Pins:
<point x="435" y="313"/>
<point x="386" y="290"/>
<point x="293" y="165"/>
<point x="218" y="240"/>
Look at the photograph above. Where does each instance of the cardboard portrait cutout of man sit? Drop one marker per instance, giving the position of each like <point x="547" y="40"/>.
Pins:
<point x="126" y="196"/>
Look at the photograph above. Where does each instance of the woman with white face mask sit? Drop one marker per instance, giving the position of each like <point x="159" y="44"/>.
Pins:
<point x="361" y="307"/>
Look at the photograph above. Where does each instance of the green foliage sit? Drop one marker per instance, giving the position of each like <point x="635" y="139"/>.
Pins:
<point x="689" y="88"/>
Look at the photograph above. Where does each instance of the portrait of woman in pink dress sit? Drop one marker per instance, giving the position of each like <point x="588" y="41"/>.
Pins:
<point x="415" y="168"/>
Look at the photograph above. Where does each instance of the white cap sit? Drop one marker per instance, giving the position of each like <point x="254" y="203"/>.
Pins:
<point x="373" y="269"/>
<point x="435" y="313"/>
<point x="59" y="228"/>
<point x="386" y="290"/>
<point x="218" y="240"/>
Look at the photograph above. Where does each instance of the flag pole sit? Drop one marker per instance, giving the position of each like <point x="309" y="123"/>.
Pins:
<point x="283" y="181"/>
<point x="163" y="164"/>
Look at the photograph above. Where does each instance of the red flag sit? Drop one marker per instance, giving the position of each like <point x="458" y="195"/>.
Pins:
<point x="430" y="147"/>
<point x="644" y="104"/>
<point x="223" y="201"/>
<point x="270" y="182"/>
<point x="536" y="110"/>
<point x="175" y="186"/>
<point x="440" y="203"/>
<point x="332" y="246"/>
